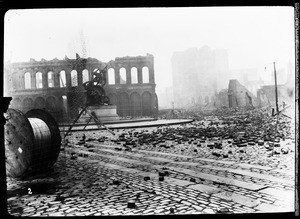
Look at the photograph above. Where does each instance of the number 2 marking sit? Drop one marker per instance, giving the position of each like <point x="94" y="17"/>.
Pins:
<point x="29" y="191"/>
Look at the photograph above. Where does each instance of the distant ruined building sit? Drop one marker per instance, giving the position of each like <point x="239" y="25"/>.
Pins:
<point x="56" y="85"/>
<point x="198" y="74"/>
<point x="240" y="96"/>
<point x="285" y="91"/>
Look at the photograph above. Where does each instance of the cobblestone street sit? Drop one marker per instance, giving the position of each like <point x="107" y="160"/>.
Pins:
<point x="100" y="174"/>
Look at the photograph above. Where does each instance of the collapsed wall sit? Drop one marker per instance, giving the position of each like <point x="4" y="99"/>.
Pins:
<point x="266" y="95"/>
<point x="240" y="96"/>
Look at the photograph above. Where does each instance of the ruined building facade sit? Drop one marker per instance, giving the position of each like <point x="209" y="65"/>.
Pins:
<point x="285" y="91"/>
<point x="56" y="85"/>
<point x="240" y="96"/>
<point x="198" y="74"/>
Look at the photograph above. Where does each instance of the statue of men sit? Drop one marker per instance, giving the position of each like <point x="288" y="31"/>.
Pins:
<point x="99" y="78"/>
<point x="95" y="91"/>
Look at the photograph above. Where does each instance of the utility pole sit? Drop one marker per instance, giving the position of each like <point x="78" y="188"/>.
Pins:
<point x="277" y="109"/>
<point x="173" y="109"/>
<point x="276" y="94"/>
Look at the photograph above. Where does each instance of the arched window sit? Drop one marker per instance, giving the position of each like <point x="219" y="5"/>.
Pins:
<point x="122" y="76"/>
<point x="145" y="72"/>
<point x="111" y="76"/>
<point x="50" y="79"/>
<point x="85" y="75"/>
<point x="27" y="80"/>
<point x="62" y="79"/>
<point x="74" y="80"/>
<point x="39" y="80"/>
<point x="134" y="75"/>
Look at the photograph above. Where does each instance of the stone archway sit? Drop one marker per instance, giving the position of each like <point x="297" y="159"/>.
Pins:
<point x="123" y="106"/>
<point x="85" y="76"/>
<point x="39" y="80"/>
<point x="134" y="75"/>
<point x="145" y="73"/>
<point x="123" y="76"/>
<point x="27" y="104"/>
<point x="39" y="103"/>
<point x="146" y="104"/>
<point x="27" y="80"/>
<point x="113" y="99"/>
<point x="135" y="104"/>
<point x="74" y="78"/>
<point x="50" y="79"/>
<point x="155" y="105"/>
<point x="111" y="76"/>
<point x="62" y="78"/>
<point x="51" y="103"/>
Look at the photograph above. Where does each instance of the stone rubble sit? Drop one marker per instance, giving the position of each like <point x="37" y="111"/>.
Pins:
<point x="174" y="169"/>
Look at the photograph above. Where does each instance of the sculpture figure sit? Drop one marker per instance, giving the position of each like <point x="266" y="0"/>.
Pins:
<point x="94" y="89"/>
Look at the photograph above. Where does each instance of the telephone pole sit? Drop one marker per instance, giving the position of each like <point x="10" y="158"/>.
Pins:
<point x="277" y="110"/>
<point x="276" y="94"/>
<point x="173" y="114"/>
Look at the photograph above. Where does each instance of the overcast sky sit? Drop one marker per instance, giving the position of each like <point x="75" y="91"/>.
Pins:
<point x="253" y="36"/>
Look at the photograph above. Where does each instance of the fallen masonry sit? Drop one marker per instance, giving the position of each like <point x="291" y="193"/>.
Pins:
<point x="227" y="163"/>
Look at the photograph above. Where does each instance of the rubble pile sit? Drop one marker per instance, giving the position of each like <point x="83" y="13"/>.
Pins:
<point x="235" y="135"/>
<point x="253" y="126"/>
<point x="103" y="174"/>
<point x="251" y="135"/>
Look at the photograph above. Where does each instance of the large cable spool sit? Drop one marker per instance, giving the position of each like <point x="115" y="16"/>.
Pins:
<point x="32" y="141"/>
